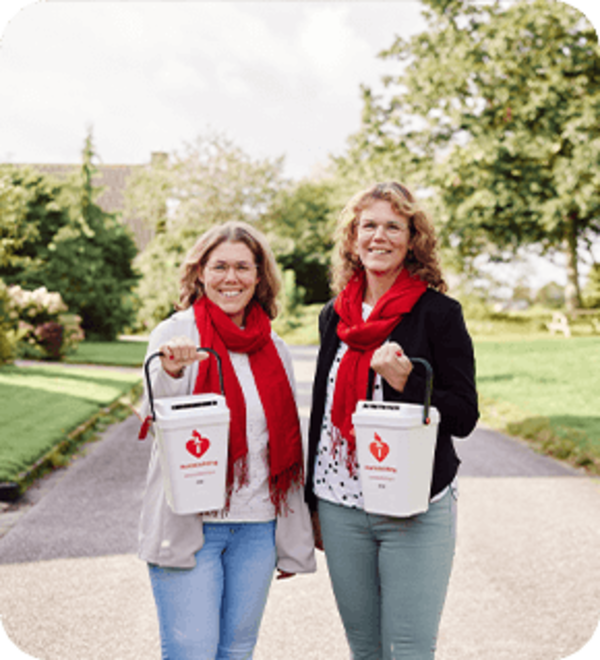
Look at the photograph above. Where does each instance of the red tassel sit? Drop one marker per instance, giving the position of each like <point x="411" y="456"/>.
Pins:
<point x="145" y="428"/>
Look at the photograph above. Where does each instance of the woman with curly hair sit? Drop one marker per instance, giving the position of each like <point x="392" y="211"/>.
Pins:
<point x="210" y="573"/>
<point x="389" y="574"/>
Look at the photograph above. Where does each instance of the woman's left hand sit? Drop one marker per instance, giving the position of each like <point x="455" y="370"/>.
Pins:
<point x="284" y="575"/>
<point x="390" y="363"/>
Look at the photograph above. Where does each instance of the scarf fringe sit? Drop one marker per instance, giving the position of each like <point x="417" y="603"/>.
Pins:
<point x="240" y="475"/>
<point x="338" y="445"/>
<point x="281" y="485"/>
<point x="237" y="477"/>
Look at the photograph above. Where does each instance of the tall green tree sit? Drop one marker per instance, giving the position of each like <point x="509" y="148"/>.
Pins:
<point x="591" y="293"/>
<point x="377" y="152"/>
<point x="71" y="246"/>
<point x="300" y="227"/>
<point x="499" y="107"/>
<point x="208" y="182"/>
<point x="29" y="217"/>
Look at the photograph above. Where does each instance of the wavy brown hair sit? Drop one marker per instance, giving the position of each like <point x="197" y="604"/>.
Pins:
<point x="269" y="283"/>
<point x="422" y="259"/>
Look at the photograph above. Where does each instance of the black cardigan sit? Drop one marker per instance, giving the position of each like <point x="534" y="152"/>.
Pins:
<point x="435" y="330"/>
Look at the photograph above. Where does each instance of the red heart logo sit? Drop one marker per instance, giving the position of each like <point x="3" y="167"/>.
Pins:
<point x="379" y="448"/>
<point x="198" y="445"/>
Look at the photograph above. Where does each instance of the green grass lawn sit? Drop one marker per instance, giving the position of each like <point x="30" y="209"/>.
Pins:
<point x="44" y="403"/>
<point x="532" y="385"/>
<point x="545" y="390"/>
<point x="121" y="353"/>
<point x="301" y="329"/>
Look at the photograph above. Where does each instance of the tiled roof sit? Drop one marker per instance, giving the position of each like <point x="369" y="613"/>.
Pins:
<point x="113" y="180"/>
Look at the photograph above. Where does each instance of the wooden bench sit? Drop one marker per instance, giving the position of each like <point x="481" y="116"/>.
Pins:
<point x="561" y="321"/>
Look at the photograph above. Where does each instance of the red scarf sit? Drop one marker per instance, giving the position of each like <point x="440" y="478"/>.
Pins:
<point x="219" y="332"/>
<point x="363" y="337"/>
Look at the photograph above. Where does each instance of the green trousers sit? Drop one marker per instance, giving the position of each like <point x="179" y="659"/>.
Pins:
<point x="390" y="576"/>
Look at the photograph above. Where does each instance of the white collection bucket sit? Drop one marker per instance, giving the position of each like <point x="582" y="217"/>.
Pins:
<point x="193" y="437"/>
<point x="395" y="446"/>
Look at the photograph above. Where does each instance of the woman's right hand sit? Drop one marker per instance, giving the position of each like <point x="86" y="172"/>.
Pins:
<point x="179" y="353"/>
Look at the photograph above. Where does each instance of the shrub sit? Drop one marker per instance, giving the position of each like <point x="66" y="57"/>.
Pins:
<point x="57" y="236"/>
<point x="591" y="292"/>
<point x="8" y="328"/>
<point x="44" y="329"/>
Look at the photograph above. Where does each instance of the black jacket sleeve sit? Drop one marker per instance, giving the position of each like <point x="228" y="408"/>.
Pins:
<point x="436" y="331"/>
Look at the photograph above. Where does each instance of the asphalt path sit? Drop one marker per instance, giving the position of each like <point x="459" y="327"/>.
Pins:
<point x="525" y="583"/>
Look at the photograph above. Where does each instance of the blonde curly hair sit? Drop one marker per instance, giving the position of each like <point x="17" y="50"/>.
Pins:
<point x="422" y="259"/>
<point x="269" y="282"/>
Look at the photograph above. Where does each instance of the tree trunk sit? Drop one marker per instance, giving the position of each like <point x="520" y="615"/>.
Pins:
<point x="572" y="290"/>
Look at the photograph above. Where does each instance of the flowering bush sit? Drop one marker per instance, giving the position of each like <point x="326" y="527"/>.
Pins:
<point x="44" y="328"/>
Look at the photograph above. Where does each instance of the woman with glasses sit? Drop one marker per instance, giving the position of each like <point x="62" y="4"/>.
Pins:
<point x="210" y="573"/>
<point x="389" y="574"/>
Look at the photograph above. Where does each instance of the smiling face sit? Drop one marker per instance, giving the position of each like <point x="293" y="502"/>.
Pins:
<point x="230" y="277"/>
<point x="382" y="241"/>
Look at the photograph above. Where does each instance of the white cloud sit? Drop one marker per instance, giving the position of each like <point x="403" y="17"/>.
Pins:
<point x="334" y="48"/>
<point x="175" y="75"/>
<point x="278" y="77"/>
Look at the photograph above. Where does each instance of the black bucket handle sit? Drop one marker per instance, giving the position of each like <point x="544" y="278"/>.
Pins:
<point x="428" y="387"/>
<point x="159" y="354"/>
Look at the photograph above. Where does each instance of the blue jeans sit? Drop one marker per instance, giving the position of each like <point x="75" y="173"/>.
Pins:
<point x="213" y="611"/>
<point x="390" y="576"/>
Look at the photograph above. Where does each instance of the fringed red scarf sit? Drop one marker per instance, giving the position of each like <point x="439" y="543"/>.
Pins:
<point x="363" y="338"/>
<point x="219" y="332"/>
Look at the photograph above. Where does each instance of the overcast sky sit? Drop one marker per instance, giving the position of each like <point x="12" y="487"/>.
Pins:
<point x="280" y="78"/>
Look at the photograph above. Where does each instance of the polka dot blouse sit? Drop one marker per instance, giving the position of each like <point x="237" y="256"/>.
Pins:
<point x="332" y="480"/>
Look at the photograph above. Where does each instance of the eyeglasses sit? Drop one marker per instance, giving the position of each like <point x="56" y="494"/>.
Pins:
<point x="391" y="228"/>
<point x="240" y="268"/>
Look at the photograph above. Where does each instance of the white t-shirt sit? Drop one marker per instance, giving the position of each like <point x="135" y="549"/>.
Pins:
<point x="251" y="503"/>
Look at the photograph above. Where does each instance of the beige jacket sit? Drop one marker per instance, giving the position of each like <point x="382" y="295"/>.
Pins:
<point x="168" y="539"/>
